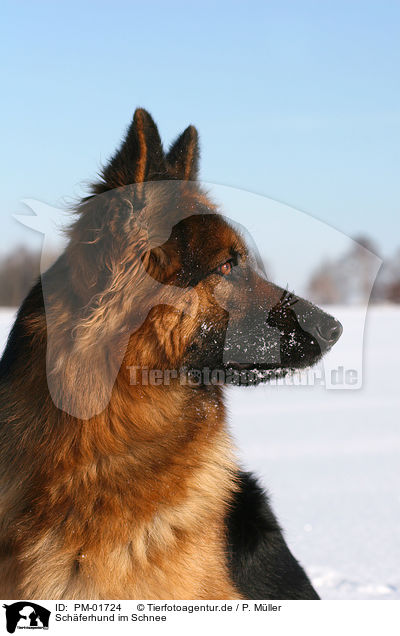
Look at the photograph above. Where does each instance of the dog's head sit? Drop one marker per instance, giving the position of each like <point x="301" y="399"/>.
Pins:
<point x="160" y="279"/>
<point x="233" y="321"/>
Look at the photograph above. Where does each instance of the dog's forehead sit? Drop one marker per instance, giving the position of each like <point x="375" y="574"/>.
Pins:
<point x="210" y="233"/>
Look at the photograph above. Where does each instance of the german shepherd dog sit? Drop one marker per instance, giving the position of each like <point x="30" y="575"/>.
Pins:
<point x="119" y="484"/>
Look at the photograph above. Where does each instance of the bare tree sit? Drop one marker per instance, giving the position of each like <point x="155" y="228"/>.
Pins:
<point x="389" y="279"/>
<point x="323" y="287"/>
<point x="393" y="292"/>
<point x="347" y="279"/>
<point x="18" y="271"/>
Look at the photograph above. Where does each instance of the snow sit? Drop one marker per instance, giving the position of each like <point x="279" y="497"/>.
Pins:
<point x="7" y="317"/>
<point x="330" y="460"/>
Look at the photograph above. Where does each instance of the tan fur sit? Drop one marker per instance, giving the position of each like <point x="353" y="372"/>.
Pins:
<point x="122" y="512"/>
<point x="141" y="170"/>
<point x="189" y="157"/>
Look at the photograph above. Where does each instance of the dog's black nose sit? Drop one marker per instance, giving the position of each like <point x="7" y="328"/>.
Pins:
<point x="330" y="331"/>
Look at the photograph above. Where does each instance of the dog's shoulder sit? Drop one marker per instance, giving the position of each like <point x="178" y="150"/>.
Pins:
<point x="260" y="562"/>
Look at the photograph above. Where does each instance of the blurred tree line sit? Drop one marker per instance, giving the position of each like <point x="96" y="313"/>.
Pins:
<point x="348" y="279"/>
<point x="19" y="269"/>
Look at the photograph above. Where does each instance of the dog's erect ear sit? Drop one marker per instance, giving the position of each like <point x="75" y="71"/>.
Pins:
<point x="141" y="156"/>
<point x="183" y="156"/>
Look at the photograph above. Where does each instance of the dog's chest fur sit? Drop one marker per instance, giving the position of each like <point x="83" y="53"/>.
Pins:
<point x="132" y="511"/>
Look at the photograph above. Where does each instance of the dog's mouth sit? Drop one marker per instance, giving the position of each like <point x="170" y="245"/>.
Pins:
<point x="233" y="372"/>
<point x="237" y="374"/>
<point x="250" y="374"/>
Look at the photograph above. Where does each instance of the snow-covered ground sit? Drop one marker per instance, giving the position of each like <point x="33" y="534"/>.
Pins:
<point x="331" y="462"/>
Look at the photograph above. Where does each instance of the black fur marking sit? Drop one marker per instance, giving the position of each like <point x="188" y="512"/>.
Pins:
<point x="19" y="342"/>
<point x="260" y="562"/>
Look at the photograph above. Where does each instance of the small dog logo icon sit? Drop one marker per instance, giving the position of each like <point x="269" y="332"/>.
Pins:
<point x="26" y="615"/>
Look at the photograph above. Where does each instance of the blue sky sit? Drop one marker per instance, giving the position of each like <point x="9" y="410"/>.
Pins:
<point x="297" y="101"/>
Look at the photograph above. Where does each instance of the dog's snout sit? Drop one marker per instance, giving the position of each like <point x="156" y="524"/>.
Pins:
<point x="330" y="331"/>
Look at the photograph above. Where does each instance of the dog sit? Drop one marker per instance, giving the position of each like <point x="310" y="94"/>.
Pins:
<point x="118" y="478"/>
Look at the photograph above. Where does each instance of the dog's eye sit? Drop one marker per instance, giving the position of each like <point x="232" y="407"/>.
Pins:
<point x="226" y="268"/>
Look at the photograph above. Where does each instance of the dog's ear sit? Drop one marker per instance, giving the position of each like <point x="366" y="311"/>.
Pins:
<point x="140" y="157"/>
<point x="183" y="156"/>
